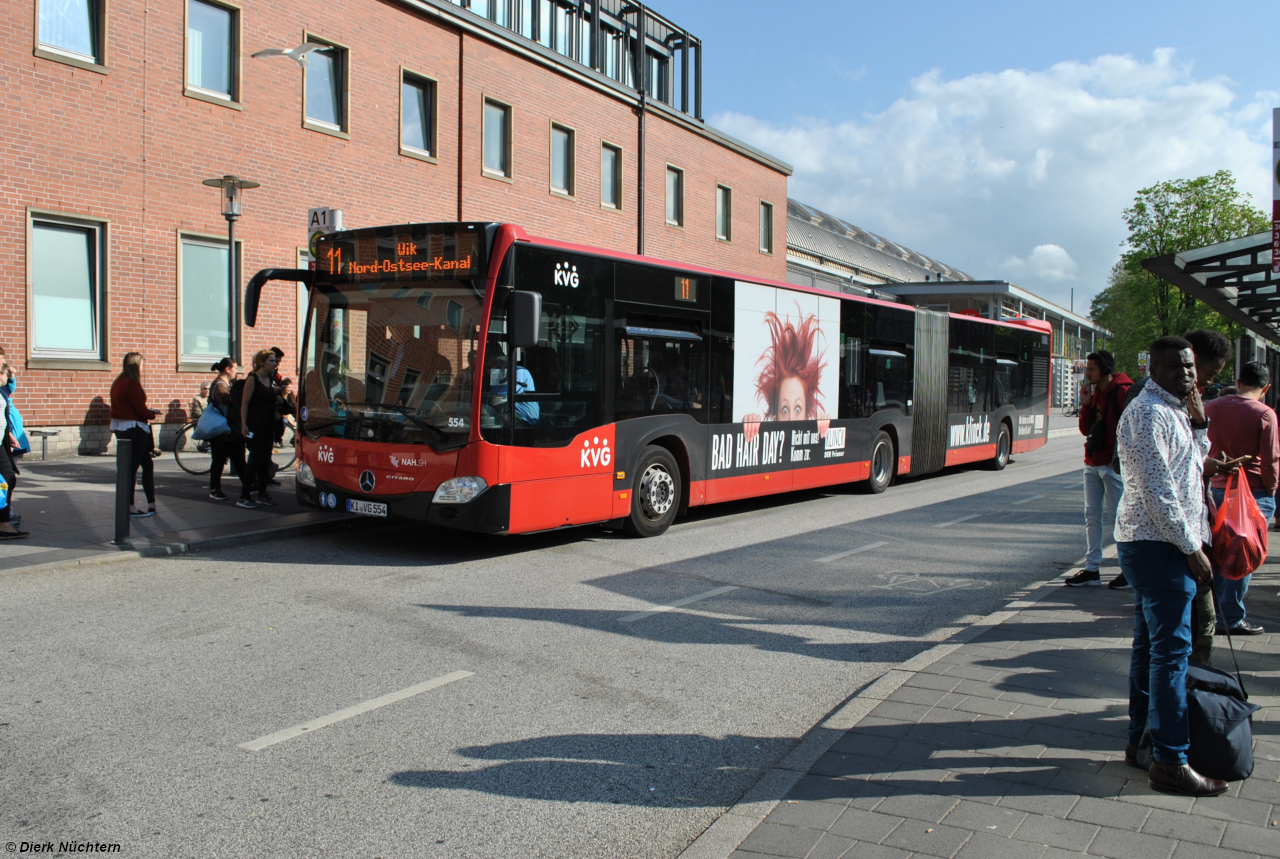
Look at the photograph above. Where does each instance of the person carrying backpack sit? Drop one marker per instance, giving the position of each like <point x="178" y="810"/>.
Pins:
<point x="228" y="447"/>
<point x="257" y="417"/>
<point x="1099" y="414"/>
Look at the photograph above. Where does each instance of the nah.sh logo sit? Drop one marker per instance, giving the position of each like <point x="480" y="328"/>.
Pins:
<point x="595" y="452"/>
<point x="566" y="275"/>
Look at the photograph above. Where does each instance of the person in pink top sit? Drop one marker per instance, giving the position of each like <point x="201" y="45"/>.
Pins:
<point x="1241" y="424"/>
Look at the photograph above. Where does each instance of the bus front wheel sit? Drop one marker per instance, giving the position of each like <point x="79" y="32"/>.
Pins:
<point x="1004" y="444"/>
<point x="655" y="494"/>
<point x="882" y="463"/>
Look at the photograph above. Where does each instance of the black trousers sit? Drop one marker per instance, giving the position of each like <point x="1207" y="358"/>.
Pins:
<point x="9" y="473"/>
<point x="260" y="461"/>
<point x="140" y="444"/>
<point x="224" y="449"/>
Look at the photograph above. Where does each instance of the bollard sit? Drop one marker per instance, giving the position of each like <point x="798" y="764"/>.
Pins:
<point x="124" y="485"/>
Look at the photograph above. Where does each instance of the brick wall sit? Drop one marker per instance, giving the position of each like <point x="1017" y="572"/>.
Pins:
<point x="130" y="149"/>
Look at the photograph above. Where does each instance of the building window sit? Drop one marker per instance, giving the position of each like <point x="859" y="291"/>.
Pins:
<point x="211" y="48"/>
<point x="675" y="196"/>
<point x="766" y="227"/>
<point x="73" y="29"/>
<point x="562" y="159"/>
<point x="525" y="23"/>
<point x="497" y="138"/>
<point x="66" y="289"/>
<point x="205" y="298"/>
<point x="656" y="67"/>
<point x="417" y="114"/>
<point x="326" y="91"/>
<point x="610" y="176"/>
<point x="564" y="30"/>
<point x="724" y="213"/>
<point x="544" y="22"/>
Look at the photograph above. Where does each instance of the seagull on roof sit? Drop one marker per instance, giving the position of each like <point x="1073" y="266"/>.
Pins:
<point x="298" y="54"/>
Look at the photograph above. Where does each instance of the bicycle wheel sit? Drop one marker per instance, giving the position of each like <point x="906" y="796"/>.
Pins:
<point x="193" y="456"/>
<point x="284" y="453"/>
<point x="1070" y="411"/>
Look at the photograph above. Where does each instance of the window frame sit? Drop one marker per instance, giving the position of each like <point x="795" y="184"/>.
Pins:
<point x="343" y="129"/>
<point x="604" y="144"/>
<point x="766" y="208"/>
<point x="233" y="100"/>
<point x="727" y="235"/>
<point x="571" y="168"/>
<point x="62" y="360"/>
<point x="679" y="172"/>
<point x="98" y="63"/>
<point x="432" y="156"/>
<point x="507" y="148"/>
<point x="191" y="362"/>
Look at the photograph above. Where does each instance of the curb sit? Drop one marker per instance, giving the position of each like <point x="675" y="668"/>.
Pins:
<point x="114" y="555"/>
<point x="1063" y="433"/>
<point x="731" y="828"/>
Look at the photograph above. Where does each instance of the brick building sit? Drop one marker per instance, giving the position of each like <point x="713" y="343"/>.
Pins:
<point x="523" y="111"/>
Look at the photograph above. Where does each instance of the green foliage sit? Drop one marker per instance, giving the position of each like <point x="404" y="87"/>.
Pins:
<point x="1170" y="217"/>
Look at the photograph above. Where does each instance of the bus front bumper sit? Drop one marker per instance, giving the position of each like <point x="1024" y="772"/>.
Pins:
<point x="488" y="513"/>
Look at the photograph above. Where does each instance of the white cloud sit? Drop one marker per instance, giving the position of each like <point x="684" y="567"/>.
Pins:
<point x="1046" y="263"/>
<point x="975" y="171"/>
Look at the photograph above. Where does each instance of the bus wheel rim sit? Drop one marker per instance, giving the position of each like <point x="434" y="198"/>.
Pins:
<point x="880" y="463"/>
<point x="657" y="492"/>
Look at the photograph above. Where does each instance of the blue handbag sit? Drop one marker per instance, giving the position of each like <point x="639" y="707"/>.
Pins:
<point x="212" y="423"/>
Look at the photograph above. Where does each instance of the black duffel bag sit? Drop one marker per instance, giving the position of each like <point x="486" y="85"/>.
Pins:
<point x="1220" y="721"/>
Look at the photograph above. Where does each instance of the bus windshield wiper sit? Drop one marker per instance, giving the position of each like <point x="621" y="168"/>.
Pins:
<point x="437" y="433"/>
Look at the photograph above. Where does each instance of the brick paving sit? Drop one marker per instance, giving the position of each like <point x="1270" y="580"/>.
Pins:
<point x="1011" y="745"/>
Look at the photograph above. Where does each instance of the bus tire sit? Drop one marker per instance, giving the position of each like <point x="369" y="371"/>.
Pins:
<point x="883" y="458"/>
<point x="655" y="493"/>
<point x="1004" y="445"/>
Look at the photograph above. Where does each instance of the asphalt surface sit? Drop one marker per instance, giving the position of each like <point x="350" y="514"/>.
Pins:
<point x="568" y="725"/>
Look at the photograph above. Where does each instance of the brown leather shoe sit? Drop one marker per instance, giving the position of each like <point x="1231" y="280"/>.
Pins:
<point x="1184" y="780"/>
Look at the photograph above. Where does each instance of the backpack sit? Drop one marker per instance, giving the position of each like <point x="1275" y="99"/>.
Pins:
<point x="236" y="397"/>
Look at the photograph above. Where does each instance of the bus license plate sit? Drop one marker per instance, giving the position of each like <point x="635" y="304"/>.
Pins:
<point x="366" y="508"/>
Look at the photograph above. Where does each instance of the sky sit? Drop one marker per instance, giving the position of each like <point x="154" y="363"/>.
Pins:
<point x="1003" y="138"/>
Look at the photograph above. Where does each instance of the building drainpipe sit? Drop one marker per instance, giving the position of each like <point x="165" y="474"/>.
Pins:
<point x="641" y="75"/>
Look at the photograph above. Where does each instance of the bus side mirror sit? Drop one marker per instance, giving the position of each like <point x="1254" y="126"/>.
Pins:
<point x="525" y="313"/>
<point x="253" y="292"/>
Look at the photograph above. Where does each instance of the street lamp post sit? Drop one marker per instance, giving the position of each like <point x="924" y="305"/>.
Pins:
<point x="231" y="187"/>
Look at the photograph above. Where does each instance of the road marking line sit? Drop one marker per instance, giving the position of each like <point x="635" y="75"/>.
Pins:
<point x="364" y="707"/>
<point x="957" y="521"/>
<point x="1027" y="500"/>
<point x="838" y="555"/>
<point x="641" y="615"/>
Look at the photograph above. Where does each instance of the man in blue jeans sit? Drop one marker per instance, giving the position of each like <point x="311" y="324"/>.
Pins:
<point x="1241" y="425"/>
<point x="1161" y="527"/>
<point x="1099" y="414"/>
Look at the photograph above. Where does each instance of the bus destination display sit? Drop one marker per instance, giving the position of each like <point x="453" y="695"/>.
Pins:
<point x="686" y="289"/>
<point x="382" y="257"/>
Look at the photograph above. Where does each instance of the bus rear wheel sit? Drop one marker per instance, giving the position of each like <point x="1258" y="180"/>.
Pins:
<point x="655" y="494"/>
<point x="1004" y="444"/>
<point x="882" y="462"/>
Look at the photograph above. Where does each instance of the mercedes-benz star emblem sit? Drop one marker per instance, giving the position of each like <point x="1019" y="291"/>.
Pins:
<point x="366" y="481"/>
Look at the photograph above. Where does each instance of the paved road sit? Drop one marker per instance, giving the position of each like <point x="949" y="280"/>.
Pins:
<point x="567" y="720"/>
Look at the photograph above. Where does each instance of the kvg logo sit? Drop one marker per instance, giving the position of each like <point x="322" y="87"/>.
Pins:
<point x="566" y="275"/>
<point x="595" y="452"/>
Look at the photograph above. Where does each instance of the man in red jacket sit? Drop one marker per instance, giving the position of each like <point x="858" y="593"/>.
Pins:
<point x="1099" y="413"/>
<point x="1242" y="425"/>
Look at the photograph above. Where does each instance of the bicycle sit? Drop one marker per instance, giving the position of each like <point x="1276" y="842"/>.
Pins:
<point x="196" y="457"/>
<point x="1070" y="410"/>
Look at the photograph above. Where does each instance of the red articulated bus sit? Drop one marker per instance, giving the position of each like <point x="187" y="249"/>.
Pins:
<point x="472" y="376"/>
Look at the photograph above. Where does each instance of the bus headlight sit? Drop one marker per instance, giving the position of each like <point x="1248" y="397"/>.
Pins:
<point x="460" y="490"/>
<point x="304" y="475"/>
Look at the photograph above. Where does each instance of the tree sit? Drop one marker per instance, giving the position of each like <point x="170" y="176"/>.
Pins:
<point x="1173" y="216"/>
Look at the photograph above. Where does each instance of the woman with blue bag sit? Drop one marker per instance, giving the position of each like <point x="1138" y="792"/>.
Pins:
<point x="8" y="472"/>
<point x="224" y="446"/>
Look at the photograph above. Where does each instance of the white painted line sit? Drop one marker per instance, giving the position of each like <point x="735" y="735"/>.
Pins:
<point x="372" y="704"/>
<point x="838" y="555"/>
<point x="957" y="521"/>
<point x="1026" y="500"/>
<point x="641" y="615"/>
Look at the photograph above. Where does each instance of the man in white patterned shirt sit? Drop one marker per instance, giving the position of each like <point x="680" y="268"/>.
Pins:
<point x="1161" y="528"/>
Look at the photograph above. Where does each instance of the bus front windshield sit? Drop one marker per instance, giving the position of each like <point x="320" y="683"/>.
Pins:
<point x="391" y="361"/>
